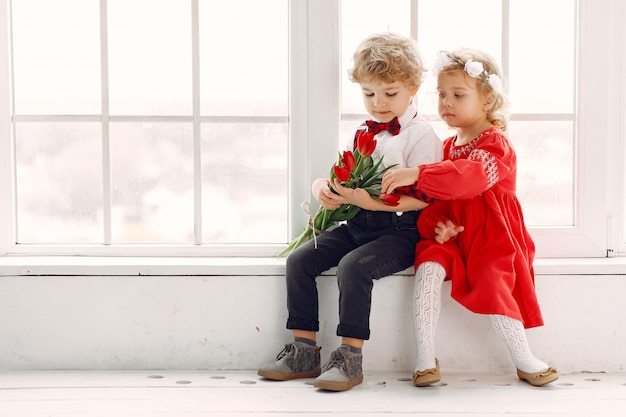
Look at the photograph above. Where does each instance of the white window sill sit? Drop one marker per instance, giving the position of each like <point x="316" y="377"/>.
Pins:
<point x="239" y="266"/>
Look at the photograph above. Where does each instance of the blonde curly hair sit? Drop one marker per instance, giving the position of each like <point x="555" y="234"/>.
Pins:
<point x="387" y="57"/>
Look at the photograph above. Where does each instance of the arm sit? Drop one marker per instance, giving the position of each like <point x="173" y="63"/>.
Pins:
<point x="423" y="147"/>
<point x="489" y="164"/>
<point x="362" y="199"/>
<point x="399" y="177"/>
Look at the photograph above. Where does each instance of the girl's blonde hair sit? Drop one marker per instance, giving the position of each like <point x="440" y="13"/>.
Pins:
<point x="387" y="57"/>
<point x="456" y="61"/>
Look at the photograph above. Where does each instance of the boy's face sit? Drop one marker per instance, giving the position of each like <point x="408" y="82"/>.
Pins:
<point x="384" y="101"/>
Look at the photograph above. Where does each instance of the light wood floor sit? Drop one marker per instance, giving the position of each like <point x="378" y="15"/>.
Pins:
<point x="243" y="393"/>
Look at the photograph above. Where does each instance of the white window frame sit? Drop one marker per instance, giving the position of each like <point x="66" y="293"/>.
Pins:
<point x="315" y="124"/>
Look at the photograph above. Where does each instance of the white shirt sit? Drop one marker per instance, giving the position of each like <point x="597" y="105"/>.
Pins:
<point x="416" y="144"/>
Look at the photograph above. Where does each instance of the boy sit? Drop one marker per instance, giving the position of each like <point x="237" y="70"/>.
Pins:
<point x="371" y="245"/>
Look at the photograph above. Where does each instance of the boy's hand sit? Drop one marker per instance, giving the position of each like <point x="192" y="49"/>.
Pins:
<point x="399" y="177"/>
<point x="324" y="196"/>
<point x="355" y="196"/>
<point x="447" y="231"/>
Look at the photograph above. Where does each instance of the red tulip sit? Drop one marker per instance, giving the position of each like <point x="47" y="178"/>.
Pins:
<point x="347" y="160"/>
<point x="355" y="169"/>
<point x="366" y="143"/>
<point x="342" y="173"/>
<point x="390" y="199"/>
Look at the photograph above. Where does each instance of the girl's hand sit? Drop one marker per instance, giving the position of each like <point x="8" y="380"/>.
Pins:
<point x="399" y="177"/>
<point x="445" y="232"/>
<point x="324" y="196"/>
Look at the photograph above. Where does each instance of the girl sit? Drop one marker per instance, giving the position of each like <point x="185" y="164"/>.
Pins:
<point x="490" y="262"/>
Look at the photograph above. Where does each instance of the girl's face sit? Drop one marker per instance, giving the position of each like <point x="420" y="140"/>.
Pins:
<point x="460" y="103"/>
<point x="384" y="101"/>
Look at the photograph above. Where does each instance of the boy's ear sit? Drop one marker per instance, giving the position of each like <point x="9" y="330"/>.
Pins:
<point x="414" y="89"/>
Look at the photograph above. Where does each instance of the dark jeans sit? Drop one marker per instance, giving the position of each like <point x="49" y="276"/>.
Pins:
<point x="370" y="246"/>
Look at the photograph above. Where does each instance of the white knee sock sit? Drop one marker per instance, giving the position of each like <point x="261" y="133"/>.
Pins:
<point x="426" y="306"/>
<point x="513" y="335"/>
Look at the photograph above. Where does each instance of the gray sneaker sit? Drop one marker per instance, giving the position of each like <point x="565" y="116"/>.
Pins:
<point x="296" y="360"/>
<point x="342" y="371"/>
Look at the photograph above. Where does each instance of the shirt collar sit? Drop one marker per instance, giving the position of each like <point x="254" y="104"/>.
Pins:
<point x="408" y="115"/>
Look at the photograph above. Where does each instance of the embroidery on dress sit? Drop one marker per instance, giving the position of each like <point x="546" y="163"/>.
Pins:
<point x="458" y="152"/>
<point x="489" y="164"/>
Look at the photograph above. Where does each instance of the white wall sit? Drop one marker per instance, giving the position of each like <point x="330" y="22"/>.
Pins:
<point x="237" y="322"/>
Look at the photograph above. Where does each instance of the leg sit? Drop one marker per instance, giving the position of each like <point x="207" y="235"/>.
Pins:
<point x="303" y="266"/>
<point x="513" y="335"/>
<point x="356" y="273"/>
<point x="301" y="358"/>
<point x="426" y="307"/>
<point x="352" y="342"/>
<point x="304" y="334"/>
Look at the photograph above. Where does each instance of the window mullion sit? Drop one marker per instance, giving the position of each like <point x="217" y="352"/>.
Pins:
<point x="506" y="38"/>
<point x="314" y="90"/>
<point x="106" y="143"/>
<point x="324" y="85"/>
<point x="7" y="154"/>
<point x="414" y="19"/>
<point x="616" y="153"/>
<point x="197" y="145"/>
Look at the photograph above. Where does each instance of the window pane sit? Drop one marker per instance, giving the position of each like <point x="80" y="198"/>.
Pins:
<point x="56" y="56"/>
<point x="150" y="57"/>
<point x="360" y="18"/>
<point x="542" y="76"/>
<point x="452" y="24"/>
<point x="244" y="184"/>
<point x="59" y="183"/>
<point x="545" y="171"/>
<point x="152" y="182"/>
<point x="244" y="57"/>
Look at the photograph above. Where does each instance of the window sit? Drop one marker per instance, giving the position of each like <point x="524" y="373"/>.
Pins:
<point x="537" y="44"/>
<point x="152" y="127"/>
<point x="150" y="122"/>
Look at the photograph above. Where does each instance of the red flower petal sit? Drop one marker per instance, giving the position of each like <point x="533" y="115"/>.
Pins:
<point x="390" y="199"/>
<point x="343" y="174"/>
<point x="347" y="160"/>
<point x="366" y="143"/>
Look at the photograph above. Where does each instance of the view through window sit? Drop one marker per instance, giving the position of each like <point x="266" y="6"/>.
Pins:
<point x="541" y="110"/>
<point x="167" y="122"/>
<point x="151" y="121"/>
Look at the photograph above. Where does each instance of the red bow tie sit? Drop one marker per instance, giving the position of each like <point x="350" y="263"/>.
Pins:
<point x="392" y="127"/>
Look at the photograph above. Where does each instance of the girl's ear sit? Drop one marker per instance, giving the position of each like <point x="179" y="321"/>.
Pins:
<point x="488" y="102"/>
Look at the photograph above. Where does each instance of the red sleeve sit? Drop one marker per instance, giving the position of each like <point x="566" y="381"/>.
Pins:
<point x="428" y="218"/>
<point x="484" y="167"/>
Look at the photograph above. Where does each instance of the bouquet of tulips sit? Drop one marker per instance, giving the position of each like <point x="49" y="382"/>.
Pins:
<point x="354" y="169"/>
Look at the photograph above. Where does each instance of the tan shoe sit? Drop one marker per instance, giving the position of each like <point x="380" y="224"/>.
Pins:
<point x="427" y="377"/>
<point x="540" y="378"/>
